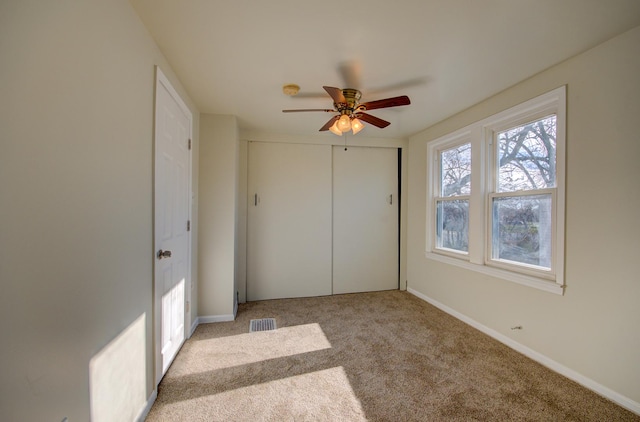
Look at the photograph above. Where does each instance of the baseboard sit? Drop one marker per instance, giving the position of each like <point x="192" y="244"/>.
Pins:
<point x="215" y="318"/>
<point x="194" y="325"/>
<point x="592" y="385"/>
<point x="145" y="411"/>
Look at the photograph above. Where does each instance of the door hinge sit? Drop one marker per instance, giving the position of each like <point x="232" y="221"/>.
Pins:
<point x="188" y="225"/>
<point x="189" y="143"/>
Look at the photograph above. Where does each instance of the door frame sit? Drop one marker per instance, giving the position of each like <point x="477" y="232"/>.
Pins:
<point x="162" y="82"/>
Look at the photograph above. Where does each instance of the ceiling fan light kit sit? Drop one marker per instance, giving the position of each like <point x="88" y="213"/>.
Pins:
<point x="356" y="125"/>
<point x="335" y="130"/>
<point x="344" y="123"/>
<point x="351" y="112"/>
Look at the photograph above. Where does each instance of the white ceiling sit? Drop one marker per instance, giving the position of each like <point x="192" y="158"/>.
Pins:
<point x="233" y="57"/>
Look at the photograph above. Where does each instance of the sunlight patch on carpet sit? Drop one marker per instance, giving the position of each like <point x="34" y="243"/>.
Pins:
<point x="247" y="348"/>
<point x="324" y="395"/>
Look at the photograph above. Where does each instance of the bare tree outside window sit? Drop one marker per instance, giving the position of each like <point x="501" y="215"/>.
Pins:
<point x="527" y="156"/>
<point x="522" y="222"/>
<point x="453" y="208"/>
<point x="455" y="169"/>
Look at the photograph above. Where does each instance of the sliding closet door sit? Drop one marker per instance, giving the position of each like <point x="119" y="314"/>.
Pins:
<point x="289" y="221"/>
<point x="365" y="219"/>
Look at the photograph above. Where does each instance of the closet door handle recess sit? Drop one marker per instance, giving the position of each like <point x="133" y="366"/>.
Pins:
<point x="391" y="199"/>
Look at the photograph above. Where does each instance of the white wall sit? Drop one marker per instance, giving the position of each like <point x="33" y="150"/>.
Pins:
<point x="218" y="190"/>
<point x="594" y="328"/>
<point x="76" y="174"/>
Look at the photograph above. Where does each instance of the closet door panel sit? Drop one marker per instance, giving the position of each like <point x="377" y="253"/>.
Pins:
<point x="289" y="221"/>
<point x="365" y="219"/>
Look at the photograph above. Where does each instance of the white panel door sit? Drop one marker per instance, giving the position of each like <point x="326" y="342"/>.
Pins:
<point x="289" y="221"/>
<point x="172" y="176"/>
<point x="365" y="219"/>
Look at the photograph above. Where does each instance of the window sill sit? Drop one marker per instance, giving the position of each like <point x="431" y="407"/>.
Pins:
<point x="525" y="280"/>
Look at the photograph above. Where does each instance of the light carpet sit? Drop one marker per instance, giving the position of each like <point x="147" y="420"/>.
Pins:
<point x="383" y="356"/>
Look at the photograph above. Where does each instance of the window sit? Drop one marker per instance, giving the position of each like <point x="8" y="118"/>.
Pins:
<point x="496" y="194"/>
<point x="452" y="202"/>
<point x="525" y="182"/>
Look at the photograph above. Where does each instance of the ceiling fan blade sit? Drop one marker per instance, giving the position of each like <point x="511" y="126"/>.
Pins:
<point x="327" y="110"/>
<point x="373" y="120"/>
<point x="318" y="94"/>
<point x="387" y="102"/>
<point x="329" y="123"/>
<point x="336" y="94"/>
<point x="402" y="85"/>
<point x="350" y="72"/>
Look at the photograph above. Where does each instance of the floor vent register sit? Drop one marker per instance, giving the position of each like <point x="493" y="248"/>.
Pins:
<point x="264" y="324"/>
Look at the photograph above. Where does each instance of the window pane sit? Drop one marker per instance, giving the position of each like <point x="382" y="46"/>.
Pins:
<point x="522" y="229"/>
<point x="455" y="171"/>
<point x="527" y="156"/>
<point x="452" y="225"/>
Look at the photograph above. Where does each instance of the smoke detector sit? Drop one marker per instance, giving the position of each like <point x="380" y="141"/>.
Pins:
<point x="290" y="89"/>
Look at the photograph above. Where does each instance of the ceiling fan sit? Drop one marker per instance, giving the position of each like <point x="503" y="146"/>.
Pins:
<point x="351" y="112"/>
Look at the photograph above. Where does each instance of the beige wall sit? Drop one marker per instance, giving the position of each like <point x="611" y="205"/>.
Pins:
<point x="76" y="115"/>
<point x="76" y="173"/>
<point x="241" y="224"/>
<point x="594" y="328"/>
<point x="218" y="191"/>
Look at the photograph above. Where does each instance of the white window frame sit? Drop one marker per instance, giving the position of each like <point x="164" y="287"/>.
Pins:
<point x="481" y="135"/>
<point x="449" y="143"/>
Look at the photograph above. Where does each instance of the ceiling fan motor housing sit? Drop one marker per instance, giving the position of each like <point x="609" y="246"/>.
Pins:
<point x="352" y="98"/>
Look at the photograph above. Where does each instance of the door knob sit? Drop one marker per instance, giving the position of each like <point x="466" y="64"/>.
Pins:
<point x="163" y="254"/>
